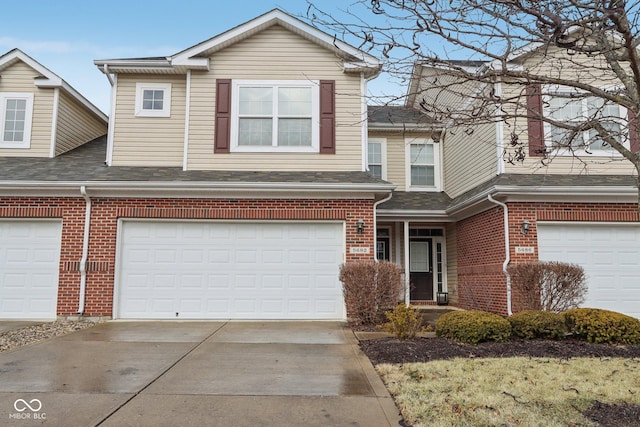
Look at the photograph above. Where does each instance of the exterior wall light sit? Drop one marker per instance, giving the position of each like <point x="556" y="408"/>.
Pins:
<point x="525" y="227"/>
<point x="360" y="225"/>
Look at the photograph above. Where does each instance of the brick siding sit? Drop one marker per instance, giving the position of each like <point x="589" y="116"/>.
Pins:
<point x="106" y="211"/>
<point x="480" y="240"/>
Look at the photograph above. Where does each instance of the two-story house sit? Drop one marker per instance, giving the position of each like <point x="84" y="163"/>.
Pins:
<point x="232" y="183"/>
<point x="237" y="175"/>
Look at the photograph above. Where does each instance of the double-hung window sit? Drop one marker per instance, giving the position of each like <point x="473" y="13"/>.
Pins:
<point x="16" y="111"/>
<point x="278" y="116"/>
<point x="423" y="169"/>
<point x="565" y="106"/>
<point x="153" y="99"/>
<point x="376" y="150"/>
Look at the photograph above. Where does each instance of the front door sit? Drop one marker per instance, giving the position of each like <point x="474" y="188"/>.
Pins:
<point x="421" y="269"/>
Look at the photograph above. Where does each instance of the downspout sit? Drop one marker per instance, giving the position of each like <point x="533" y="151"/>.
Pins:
<point x="105" y="68"/>
<point x="505" y="264"/>
<point x="375" y="224"/>
<point x="85" y="250"/>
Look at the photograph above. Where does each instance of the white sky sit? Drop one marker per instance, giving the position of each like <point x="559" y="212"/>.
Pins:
<point x="66" y="35"/>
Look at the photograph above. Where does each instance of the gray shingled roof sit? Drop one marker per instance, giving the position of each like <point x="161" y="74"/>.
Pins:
<point x="398" y="116"/>
<point x="411" y="201"/>
<point x="87" y="163"/>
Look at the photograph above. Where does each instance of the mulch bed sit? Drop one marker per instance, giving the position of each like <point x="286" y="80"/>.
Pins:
<point x="391" y="350"/>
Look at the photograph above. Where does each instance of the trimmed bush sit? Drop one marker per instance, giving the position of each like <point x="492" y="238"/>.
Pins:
<point x="403" y="322"/>
<point x="603" y="326"/>
<point x="472" y="327"/>
<point x="548" y="286"/>
<point x="533" y="324"/>
<point x="370" y="288"/>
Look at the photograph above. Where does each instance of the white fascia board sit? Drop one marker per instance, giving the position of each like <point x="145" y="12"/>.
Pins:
<point x="584" y="194"/>
<point x="286" y="20"/>
<point x="124" y="187"/>
<point x="412" y="215"/>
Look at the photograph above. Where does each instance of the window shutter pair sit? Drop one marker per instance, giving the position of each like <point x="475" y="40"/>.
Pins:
<point x="222" y="137"/>
<point x="536" y="125"/>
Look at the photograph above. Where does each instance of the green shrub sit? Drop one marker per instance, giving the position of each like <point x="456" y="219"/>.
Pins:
<point x="533" y="324"/>
<point x="603" y="326"/>
<point x="472" y="327"/>
<point x="403" y="322"/>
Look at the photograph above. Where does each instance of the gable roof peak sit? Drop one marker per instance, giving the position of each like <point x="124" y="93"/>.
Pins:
<point x="47" y="78"/>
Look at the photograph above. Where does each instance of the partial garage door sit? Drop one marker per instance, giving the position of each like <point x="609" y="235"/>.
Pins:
<point x="29" y="265"/>
<point x="226" y="270"/>
<point x="610" y="255"/>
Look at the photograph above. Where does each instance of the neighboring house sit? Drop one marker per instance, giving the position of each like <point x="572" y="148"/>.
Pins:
<point x="579" y="211"/>
<point x="41" y="119"/>
<point x="239" y="174"/>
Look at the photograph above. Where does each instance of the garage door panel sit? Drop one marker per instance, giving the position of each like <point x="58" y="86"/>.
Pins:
<point x="29" y="268"/>
<point x="609" y="254"/>
<point x="237" y="270"/>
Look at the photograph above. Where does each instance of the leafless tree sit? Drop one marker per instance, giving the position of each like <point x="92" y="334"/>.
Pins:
<point x="481" y="61"/>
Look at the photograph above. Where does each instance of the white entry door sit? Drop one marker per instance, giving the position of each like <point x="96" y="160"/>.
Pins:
<point x="229" y="270"/>
<point x="609" y="254"/>
<point x="29" y="265"/>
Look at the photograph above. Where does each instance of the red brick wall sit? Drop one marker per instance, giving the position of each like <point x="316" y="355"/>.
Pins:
<point x="481" y="282"/>
<point x="105" y="213"/>
<point x="480" y="241"/>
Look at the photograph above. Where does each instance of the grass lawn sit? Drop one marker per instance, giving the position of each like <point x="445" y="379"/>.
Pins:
<point x="509" y="391"/>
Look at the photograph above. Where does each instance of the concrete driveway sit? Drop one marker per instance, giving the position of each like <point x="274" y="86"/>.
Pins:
<point x="195" y="373"/>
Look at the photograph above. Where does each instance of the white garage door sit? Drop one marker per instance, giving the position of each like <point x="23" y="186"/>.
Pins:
<point x="223" y="270"/>
<point x="29" y="265"/>
<point x="609" y="254"/>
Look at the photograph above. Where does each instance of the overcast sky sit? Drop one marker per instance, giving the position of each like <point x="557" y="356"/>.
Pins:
<point x="66" y="35"/>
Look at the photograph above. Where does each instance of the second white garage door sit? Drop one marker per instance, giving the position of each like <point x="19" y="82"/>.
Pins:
<point x="229" y="270"/>
<point x="609" y="254"/>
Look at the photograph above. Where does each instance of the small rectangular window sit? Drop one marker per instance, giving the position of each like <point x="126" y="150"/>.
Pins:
<point x="376" y="156"/>
<point x="423" y="167"/>
<point x="153" y="99"/>
<point x="16" y="110"/>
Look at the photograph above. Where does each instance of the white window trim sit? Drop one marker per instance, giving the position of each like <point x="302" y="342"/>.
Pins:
<point x="315" y="117"/>
<point x="437" y="167"/>
<point x="26" y="138"/>
<point x="166" y="100"/>
<point x="550" y="91"/>
<point x="383" y="149"/>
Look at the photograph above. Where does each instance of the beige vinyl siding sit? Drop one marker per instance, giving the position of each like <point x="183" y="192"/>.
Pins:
<point x="557" y="63"/>
<point x="275" y="54"/>
<point x="148" y="141"/>
<point x="20" y="78"/>
<point x="469" y="159"/>
<point x="76" y="124"/>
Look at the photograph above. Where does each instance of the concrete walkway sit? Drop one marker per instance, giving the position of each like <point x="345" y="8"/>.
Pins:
<point x="195" y="373"/>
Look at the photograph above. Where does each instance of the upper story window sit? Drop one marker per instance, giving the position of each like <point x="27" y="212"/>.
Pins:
<point x="278" y="116"/>
<point x="563" y="106"/>
<point x="423" y="165"/>
<point x="153" y="99"/>
<point x="376" y="157"/>
<point x="16" y="111"/>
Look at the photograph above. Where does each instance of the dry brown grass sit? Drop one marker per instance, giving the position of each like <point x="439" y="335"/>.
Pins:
<point x="509" y="391"/>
